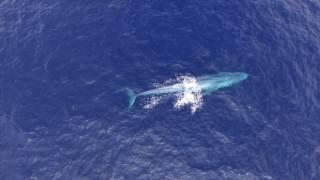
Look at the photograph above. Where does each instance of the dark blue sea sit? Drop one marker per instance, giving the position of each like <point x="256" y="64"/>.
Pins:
<point x="62" y="62"/>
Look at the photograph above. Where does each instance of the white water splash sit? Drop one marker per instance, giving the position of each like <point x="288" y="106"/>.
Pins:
<point x="191" y="95"/>
<point x="152" y="102"/>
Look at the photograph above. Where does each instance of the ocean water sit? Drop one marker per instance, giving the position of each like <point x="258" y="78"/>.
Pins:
<point x="62" y="61"/>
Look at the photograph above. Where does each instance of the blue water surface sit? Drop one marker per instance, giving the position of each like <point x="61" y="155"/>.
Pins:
<point x="62" y="61"/>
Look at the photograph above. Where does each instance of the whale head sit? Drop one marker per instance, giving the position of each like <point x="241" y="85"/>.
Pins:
<point x="230" y="78"/>
<point x="221" y="80"/>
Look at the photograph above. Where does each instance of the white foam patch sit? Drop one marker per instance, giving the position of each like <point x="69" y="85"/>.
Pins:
<point x="191" y="95"/>
<point x="152" y="102"/>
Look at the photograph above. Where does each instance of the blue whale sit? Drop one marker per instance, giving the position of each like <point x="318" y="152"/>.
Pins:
<point x="207" y="84"/>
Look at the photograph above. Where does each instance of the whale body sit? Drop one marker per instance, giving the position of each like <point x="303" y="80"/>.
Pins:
<point x="207" y="84"/>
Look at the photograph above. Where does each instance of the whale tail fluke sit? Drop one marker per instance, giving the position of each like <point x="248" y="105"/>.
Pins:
<point x="132" y="97"/>
<point x="131" y="94"/>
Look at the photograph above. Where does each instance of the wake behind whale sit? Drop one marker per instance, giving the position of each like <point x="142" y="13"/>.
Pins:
<point x="190" y="90"/>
